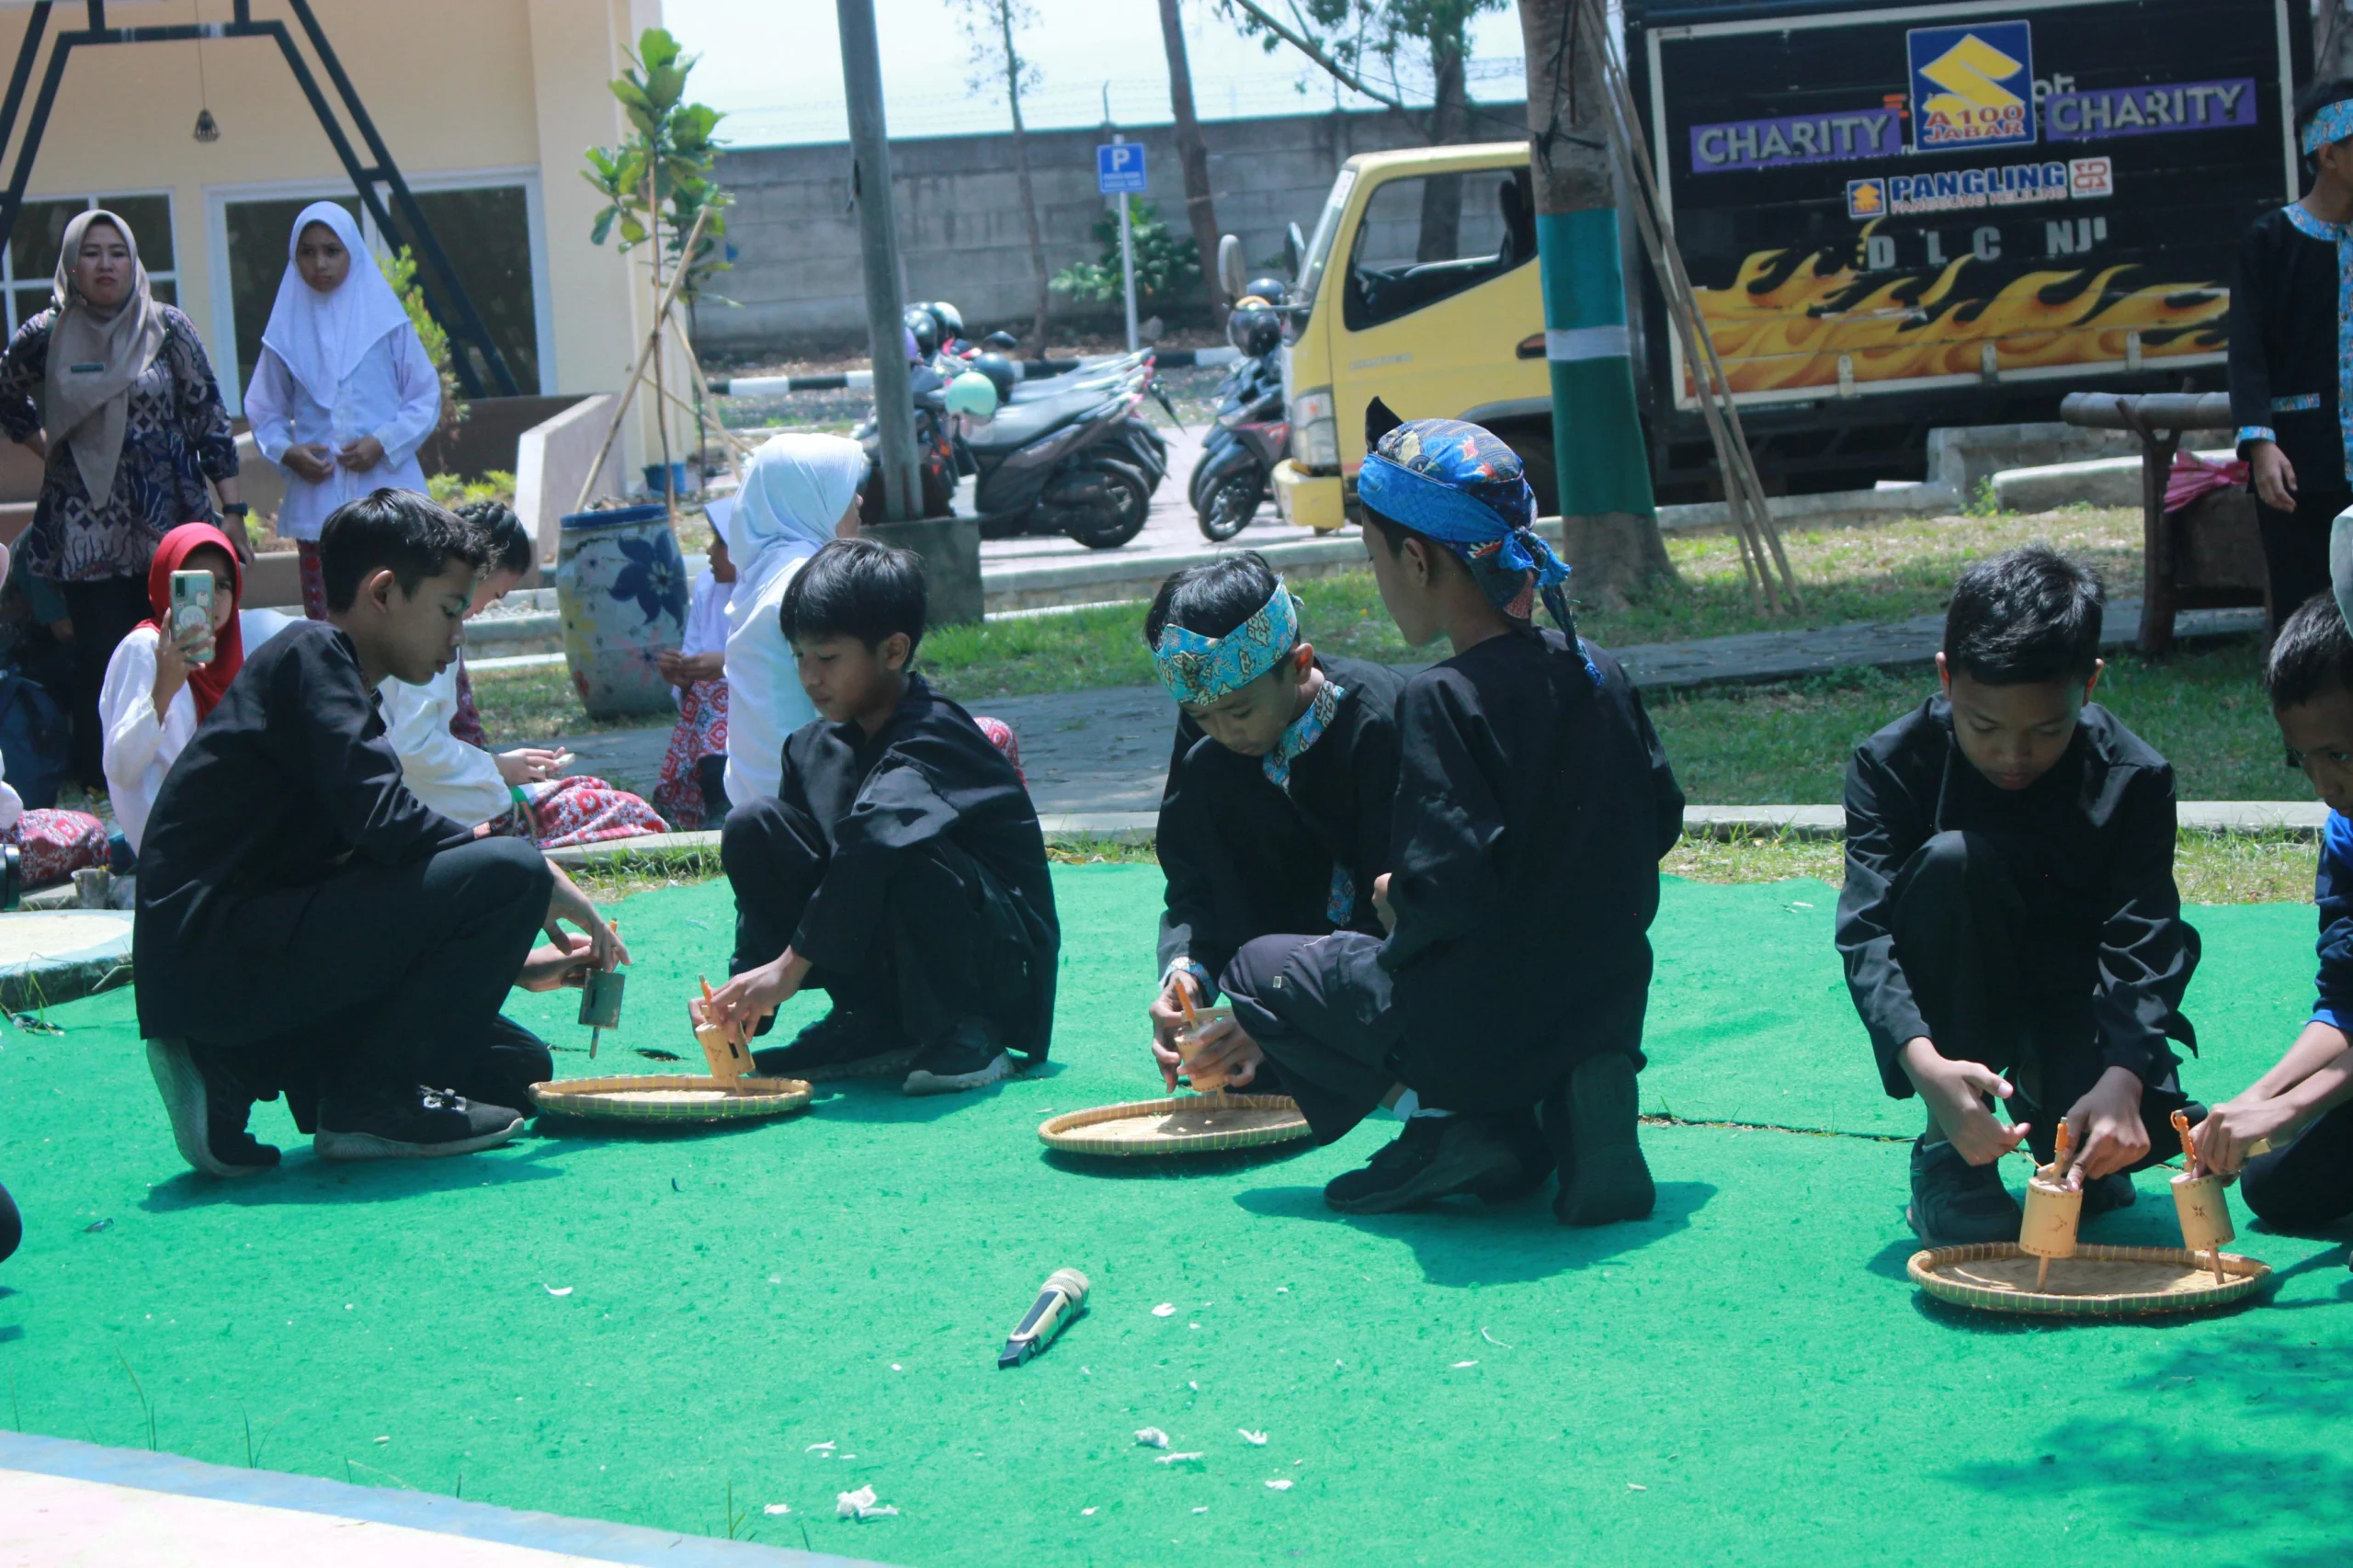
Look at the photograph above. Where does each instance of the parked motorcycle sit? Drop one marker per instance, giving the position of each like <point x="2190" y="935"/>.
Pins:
<point x="1252" y="432"/>
<point x="1081" y="464"/>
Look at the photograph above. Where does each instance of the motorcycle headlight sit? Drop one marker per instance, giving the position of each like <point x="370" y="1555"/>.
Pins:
<point x="1315" y="431"/>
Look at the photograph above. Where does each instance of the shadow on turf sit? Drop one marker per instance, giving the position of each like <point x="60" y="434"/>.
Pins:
<point x="1462" y="1242"/>
<point x="305" y="1178"/>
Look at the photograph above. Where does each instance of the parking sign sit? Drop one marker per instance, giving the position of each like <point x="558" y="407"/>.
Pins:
<point x="1119" y="166"/>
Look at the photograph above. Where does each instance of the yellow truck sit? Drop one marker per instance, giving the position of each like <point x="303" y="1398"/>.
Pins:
<point x="1439" y="319"/>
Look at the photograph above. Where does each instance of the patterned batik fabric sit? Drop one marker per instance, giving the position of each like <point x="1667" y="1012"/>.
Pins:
<point x="1197" y="670"/>
<point x="176" y="437"/>
<point x="53" y="844"/>
<point x="465" y="724"/>
<point x="1340" y="904"/>
<point x="1008" y="744"/>
<point x="701" y="732"/>
<point x="2341" y="236"/>
<point x="582" y="809"/>
<point x="314" y="580"/>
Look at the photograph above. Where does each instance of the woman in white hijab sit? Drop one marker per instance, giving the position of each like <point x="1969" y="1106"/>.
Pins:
<point x="344" y="394"/>
<point x="799" y="491"/>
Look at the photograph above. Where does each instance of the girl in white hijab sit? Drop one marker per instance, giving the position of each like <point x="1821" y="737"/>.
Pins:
<point x="344" y="394"/>
<point x="799" y="491"/>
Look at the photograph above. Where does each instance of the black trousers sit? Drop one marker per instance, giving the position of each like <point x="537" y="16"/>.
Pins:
<point x="1322" y="1010"/>
<point x="394" y="978"/>
<point x="103" y="611"/>
<point x="12" y="1225"/>
<point x="2295" y="546"/>
<point x="1993" y="983"/>
<point x="2308" y="1183"/>
<point x="945" y="951"/>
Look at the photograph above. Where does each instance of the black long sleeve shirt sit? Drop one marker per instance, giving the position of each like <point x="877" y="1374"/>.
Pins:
<point x="927" y="775"/>
<point x="1532" y="810"/>
<point x="288" y="780"/>
<point x="2284" y="364"/>
<point x="2099" y="827"/>
<point x="1245" y="857"/>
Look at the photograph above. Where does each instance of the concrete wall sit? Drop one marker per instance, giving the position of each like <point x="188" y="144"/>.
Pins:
<point x="960" y="233"/>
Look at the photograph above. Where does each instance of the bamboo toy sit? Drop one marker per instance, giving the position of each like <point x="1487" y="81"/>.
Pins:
<point x="2053" y="1211"/>
<point x="1187" y="1036"/>
<point x="2199" y="1203"/>
<point x="722" y="1045"/>
<point x="601" y="1000"/>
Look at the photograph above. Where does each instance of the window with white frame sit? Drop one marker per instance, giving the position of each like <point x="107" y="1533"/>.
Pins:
<point x="29" y="263"/>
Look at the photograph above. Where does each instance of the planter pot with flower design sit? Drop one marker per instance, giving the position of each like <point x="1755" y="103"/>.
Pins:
<point x="622" y="589"/>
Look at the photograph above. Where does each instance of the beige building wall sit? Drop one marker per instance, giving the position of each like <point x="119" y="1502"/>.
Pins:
<point x="453" y="87"/>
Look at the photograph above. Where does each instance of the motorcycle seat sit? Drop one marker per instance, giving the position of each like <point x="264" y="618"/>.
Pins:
<point x="1017" y="425"/>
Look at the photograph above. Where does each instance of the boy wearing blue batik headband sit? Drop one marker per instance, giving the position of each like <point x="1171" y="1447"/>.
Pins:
<point x="2291" y="355"/>
<point x="1276" y="813"/>
<point x="1501" y="1015"/>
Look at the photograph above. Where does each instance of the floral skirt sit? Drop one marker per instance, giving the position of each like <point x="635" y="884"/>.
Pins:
<point x="582" y="809"/>
<point x="51" y="845"/>
<point x="314" y="582"/>
<point x="1001" y="736"/>
<point x="702" y="732"/>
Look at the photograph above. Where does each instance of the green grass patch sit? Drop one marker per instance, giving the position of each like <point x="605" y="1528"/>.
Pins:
<point x="524" y="706"/>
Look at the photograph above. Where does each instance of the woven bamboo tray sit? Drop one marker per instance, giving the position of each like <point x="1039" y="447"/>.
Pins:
<point x="1188" y="1124"/>
<point x="670" y="1098"/>
<point x="2099" y="1281"/>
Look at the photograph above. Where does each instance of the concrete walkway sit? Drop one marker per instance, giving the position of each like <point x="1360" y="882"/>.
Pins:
<point x="1107" y="750"/>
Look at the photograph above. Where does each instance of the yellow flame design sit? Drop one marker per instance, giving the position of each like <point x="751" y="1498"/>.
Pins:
<point x="1792" y="333"/>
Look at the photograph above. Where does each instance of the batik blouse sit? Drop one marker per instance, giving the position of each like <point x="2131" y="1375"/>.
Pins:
<point x="176" y="435"/>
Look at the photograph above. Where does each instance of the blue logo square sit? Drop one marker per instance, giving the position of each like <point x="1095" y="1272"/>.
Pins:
<point x="1972" y="86"/>
<point x="1866" y="198"/>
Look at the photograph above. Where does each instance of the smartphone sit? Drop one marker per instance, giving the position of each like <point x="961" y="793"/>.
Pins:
<point x="192" y="606"/>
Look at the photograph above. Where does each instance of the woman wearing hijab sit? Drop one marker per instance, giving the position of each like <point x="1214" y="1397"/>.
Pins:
<point x="798" y="493"/>
<point x="344" y="394"/>
<point x="155" y="694"/>
<point x="116" y="391"/>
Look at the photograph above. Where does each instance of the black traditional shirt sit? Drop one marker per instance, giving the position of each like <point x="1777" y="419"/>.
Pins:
<point x="2287" y="345"/>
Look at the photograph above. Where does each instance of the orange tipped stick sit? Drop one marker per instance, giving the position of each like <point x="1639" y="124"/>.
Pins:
<point x="2059" y="1140"/>
<point x="1185" y="1000"/>
<point x="2188" y="1144"/>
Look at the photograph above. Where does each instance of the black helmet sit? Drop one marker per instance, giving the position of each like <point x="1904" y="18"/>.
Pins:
<point x="1003" y="371"/>
<point x="1272" y="289"/>
<point x="950" y="320"/>
<point x="1254" y="330"/>
<point x="927" y="330"/>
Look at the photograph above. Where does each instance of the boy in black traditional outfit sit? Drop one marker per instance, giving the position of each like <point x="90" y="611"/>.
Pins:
<point x="305" y="923"/>
<point x="2305" y="1181"/>
<point x="898" y="866"/>
<point x="1276" y="814"/>
<point x="2009" y="926"/>
<point x="1503" y="1014"/>
<point x="2292" y="354"/>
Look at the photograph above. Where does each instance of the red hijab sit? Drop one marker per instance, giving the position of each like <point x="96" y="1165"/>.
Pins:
<point x="205" y="682"/>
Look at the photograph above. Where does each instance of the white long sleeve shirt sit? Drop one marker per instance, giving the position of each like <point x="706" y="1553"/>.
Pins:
<point x="764" y="703"/>
<point x="140" y="747"/>
<point x="393" y="393"/>
<point x="460" y="781"/>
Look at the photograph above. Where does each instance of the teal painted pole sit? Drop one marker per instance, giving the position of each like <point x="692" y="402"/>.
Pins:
<point x="1598" y="456"/>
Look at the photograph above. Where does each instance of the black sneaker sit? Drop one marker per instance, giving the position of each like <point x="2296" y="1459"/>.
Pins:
<point x="420" y="1124"/>
<point x="208" y="1112"/>
<point x="2106" y="1195"/>
<point x="1955" y="1203"/>
<point x="1435" y="1156"/>
<point x="1534" y="1154"/>
<point x="842" y="1044"/>
<point x="1598" y="1118"/>
<point x="966" y="1057"/>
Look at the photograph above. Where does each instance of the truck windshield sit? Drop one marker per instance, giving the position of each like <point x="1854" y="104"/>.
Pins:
<point x="1328" y="230"/>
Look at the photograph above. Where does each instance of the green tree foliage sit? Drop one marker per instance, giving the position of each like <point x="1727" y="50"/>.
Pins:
<point x="663" y="168"/>
<point x="1167" y="269"/>
<point x="400" y="271"/>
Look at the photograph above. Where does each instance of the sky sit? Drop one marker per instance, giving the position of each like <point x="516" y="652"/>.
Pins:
<point x="774" y="67"/>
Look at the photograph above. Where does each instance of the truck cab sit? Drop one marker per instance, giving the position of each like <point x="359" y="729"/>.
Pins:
<point x="1418" y="286"/>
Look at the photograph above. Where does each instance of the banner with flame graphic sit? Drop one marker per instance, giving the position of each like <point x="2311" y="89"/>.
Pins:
<point x="1867" y="204"/>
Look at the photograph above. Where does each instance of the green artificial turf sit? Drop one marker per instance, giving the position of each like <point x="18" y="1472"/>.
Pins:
<point x="1745" y="1378"/>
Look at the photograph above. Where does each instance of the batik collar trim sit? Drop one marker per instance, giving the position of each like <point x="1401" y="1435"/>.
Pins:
<point x="1303" y="732"/>
<point x="2301" y="218"/>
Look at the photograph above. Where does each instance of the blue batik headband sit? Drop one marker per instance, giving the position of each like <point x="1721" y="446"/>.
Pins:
<point x="1461" y="485"/>
<point x="2334" y="123"/>
<point x="1199" y="670"/>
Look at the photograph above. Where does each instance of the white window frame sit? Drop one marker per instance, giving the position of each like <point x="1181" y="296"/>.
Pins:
<point x="216" y="199"/>
<point x="11" y="283"/>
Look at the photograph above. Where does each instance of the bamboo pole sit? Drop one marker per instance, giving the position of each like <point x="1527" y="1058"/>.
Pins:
<point x="637" y="374"/>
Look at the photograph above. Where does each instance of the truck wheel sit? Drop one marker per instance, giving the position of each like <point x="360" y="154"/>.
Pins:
<point x="1230" y="504"/>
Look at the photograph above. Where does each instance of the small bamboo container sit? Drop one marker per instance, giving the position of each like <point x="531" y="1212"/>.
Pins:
<point x="2200" y="1202"/>
<point x="2053" y="1212"/>
<point x="724" y="1049"/>
<point x="1196" y="1020"/>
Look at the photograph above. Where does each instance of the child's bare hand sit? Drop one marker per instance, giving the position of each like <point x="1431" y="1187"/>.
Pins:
<point x="1168" y="1015"/>
<point x="1380" y="904"/>
<point x="313" y="463"/>
<point x="1224" y="1054"/>
<point x="2234" y="1126"/>
<point x="564" y="961"/>
<point x="2106" y="1131"/>
<point x="752" y="996"/>
<point x="1956" y="1093"/>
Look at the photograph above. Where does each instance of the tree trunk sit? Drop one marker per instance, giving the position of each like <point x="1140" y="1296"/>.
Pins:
<point x="1609" y="520"/>
<point x="1449" y="116"/>
<point x="1022" y="167"/>
<point x="1193" y="156"/>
